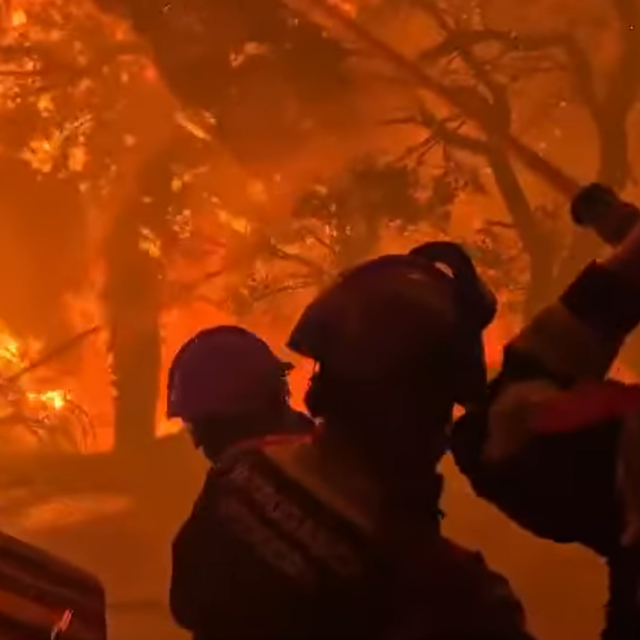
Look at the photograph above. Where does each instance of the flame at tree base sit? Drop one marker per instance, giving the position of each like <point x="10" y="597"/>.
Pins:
<point x="28" y="413"/>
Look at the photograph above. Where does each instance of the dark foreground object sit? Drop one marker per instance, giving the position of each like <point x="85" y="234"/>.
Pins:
<point x="43" y="597"/>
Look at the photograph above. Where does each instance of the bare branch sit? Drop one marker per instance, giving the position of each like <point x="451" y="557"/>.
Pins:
<point x="317" y="238"/>
<point x="441" y="131"/>
<point x="556" y="177"/>
<point x="495" y="90"/>
<point x="289" y="287"/>
<point x="19" y="73"/>
<point x="288" y="256"/>
<point x="449" y="46"/>
<point x="186" y="291"/>
<point x="579" y="64"/>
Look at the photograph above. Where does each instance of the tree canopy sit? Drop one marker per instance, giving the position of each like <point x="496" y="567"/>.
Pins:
<point x="219" y="150"/>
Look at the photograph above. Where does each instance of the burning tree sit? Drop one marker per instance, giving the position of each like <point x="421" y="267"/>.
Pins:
<point x="332" y="226"/>
<point x="43" y="225"/>
<point x="270" y="81"/>
<point x="43" y="127"/>
<point x="481" y="68"/>
<point x="73" y="73"/>
<point x="72" y="85"/>
<point x="153" y="230"/>
<point x="490" y="62"/>
<point x="345" y="219"/>
<point x="270" y="77"/>
<point x="35" y="414"/>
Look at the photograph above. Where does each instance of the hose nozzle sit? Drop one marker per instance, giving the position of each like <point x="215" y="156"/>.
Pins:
<point x="599" y="208"/>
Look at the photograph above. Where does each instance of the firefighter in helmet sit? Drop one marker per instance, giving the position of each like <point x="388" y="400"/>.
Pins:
<point x="227" y="386"/>
<point x="554" y="444"/>
<point x="338" y="534"/>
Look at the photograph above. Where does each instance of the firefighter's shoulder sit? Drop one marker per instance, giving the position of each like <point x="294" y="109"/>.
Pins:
<point x="42" y="595"/>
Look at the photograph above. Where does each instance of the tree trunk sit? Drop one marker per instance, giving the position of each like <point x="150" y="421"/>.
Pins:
<point x="132" y="317"/>
<point x="133" y="300"/>
<point x="610" y="116"/>
<point x="614" y="171"/>
<point x="533" y="239"/>
<point x="541" y="274"/>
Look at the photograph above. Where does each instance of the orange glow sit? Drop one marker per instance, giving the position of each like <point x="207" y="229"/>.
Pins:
<point x="149" y="73"/>
<point x="53" y="400"/>
<point x="86" y="109"/>
<point x="349" y="7"/>
<point x="18" y="18"/>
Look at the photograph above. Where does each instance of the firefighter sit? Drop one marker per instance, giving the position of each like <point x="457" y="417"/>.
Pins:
<point x="338" y="535"/>
<point x="43" y="596"/>
<point x="544" y="446"/>
<point x="227" y="386"/>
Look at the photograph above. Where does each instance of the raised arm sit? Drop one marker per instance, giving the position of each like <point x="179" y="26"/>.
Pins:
<point x="572" y="344"/>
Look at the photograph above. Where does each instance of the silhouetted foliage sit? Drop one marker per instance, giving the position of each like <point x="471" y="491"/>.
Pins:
<point x="339" y="222"/>
<point x="269" y="76"/>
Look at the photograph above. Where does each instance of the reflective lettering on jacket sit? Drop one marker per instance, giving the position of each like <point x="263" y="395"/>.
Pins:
<point x="269" y="546"/>
<point x="289" y="518"/>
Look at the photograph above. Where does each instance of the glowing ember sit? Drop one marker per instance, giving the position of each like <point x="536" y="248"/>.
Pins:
<point x="53" y="400"/>
<point x="9" y="351"/>
<point x="18" y="18"/>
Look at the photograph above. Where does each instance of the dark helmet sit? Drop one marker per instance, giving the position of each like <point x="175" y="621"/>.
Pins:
<point x="399" y="312"/>
<point x="474" y="298"/>
<point x="476" y="307"/>
<point x="224" y="371"/>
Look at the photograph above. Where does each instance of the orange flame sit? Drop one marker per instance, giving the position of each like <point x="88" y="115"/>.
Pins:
<point x="14" y="356"/>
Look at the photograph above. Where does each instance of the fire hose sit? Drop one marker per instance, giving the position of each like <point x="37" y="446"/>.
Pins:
<point x="599" y="208"/>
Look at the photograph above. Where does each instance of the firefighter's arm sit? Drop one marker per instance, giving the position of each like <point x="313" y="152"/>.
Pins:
<point x="566" y="347"/>
<point x="578" y="337"/>
<point x="190" y="579"/>
<point x="501" y="615"/>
